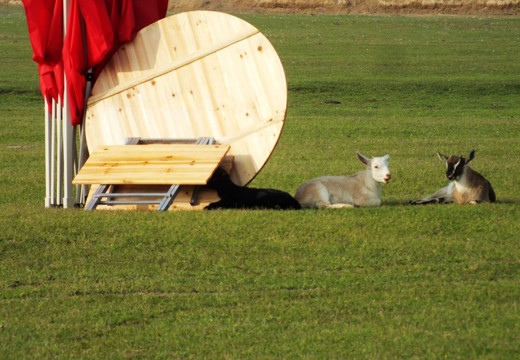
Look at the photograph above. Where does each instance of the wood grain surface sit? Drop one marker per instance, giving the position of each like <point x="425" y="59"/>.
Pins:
<point x="158" y="164"/>
<point x="194" y="74"/>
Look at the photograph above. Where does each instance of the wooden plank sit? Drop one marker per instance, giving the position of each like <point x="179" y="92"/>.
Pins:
<point x="157" y="152"/>
<point x="151" y="164"/>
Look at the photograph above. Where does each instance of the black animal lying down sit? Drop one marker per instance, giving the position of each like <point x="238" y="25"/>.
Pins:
<point x="240" y="197"/>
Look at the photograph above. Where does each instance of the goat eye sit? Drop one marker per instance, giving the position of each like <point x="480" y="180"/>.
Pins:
<point x="376" y="167"/>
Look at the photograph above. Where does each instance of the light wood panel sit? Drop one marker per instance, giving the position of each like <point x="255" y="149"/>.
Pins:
<point x="158" y="164"/>
<point x="190" y="75"/>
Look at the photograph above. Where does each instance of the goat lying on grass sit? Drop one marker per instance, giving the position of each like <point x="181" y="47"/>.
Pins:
<point x="467" y="185"/>
<point x="240" y="197"/>
<point x="361" y="189"/>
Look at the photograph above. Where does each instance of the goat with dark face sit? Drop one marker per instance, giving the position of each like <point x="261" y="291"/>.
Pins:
<point x="466" y="187"/>
<point x="455" y="165"/>
<point x="233" y="196"/>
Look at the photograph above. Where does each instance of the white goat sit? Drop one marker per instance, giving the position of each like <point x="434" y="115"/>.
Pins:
<point x="467" y="185"/>
<point x="361" y="189"/>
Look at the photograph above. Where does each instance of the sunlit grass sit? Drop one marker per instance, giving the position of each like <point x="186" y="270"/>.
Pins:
<point x="390" y="282"/>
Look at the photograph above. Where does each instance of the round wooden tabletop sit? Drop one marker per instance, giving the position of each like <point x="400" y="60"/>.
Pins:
<point x="190" y="75"/>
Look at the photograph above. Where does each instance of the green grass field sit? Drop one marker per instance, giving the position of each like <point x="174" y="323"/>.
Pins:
<point x="393" y="282"/>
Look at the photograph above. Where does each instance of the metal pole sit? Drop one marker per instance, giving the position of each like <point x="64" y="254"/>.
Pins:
<point x="68" y="155"/>
<point x="59" y="153"/>
<point x="48" y="153"/>
<point x="82" y="190"/>
<point x="67" y="148"/>
<point x="83" y="156"/>
<point x="54" y="114"/>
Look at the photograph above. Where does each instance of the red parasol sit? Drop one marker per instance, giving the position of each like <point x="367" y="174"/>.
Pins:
<point x="95" y="30"/>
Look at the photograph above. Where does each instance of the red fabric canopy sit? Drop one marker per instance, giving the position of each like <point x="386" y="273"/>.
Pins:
<point x="95" y="30"/>
<point x="45" y="23"/>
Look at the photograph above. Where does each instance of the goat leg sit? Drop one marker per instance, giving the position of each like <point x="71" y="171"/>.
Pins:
<point x="441" y="196"/>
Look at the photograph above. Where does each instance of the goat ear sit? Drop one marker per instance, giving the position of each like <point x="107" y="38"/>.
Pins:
<point x="442" y="157"/>
<point x="471" y="156"/>
<point x="362" y="158"/>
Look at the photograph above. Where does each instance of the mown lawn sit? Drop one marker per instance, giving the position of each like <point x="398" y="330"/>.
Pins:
<point x="396" y="281"/>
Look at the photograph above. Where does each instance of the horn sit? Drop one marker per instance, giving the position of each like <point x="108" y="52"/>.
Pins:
<point x="442" y="157"/>
<point x="471" y="156"/>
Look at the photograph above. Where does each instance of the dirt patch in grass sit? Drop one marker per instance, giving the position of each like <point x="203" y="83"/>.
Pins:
<point x="10" y="2"/>
<point x="456" y="7"/>
<point x="426" y="7"/>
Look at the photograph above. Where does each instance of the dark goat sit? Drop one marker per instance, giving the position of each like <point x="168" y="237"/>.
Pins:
<point x="240" y="197"/>
<point x="466" y="187"/>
